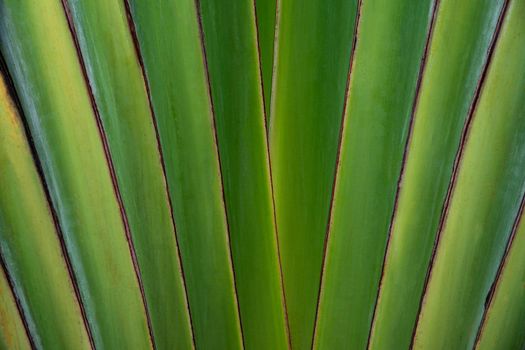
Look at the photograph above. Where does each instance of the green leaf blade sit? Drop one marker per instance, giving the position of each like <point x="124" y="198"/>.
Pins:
<point x="480" y="218"/>
<point x="266" y="18"/>
<point x="12" y="332"/>
<point x="41" y="56"/>
<point x="118" y="87"/>
<point x="502" y="328"/>
<point x="169" y="37"/>
<point x="236" y="88"/>
<point x="380" y="104"/>
<point x="454" y="66"/>
<point x="42" y="280"/>
<point x="314" y="42"/>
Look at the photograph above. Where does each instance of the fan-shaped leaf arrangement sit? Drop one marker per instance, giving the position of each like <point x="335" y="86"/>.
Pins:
<point x="338" y="174"/>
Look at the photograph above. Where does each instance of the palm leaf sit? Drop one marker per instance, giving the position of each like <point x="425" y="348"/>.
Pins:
<point x="237" y="97"/>
<point x="375" y="127"/>
<point x="122" y="105"/>
<point x="180" y="174"/>
<point x="479" y="220"/>
<point x="265" y="20"/>
<point x="75" y="167"/>
<point x="445" y="98"/>
<point x="12" y="329"/>
<point x="505" y="313"/>
<point x="176" y="72"/>
<point x="42" y="282"/>
<point x="312" y="55"/>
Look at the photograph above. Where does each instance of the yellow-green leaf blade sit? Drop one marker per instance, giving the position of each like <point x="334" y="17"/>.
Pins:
<point x="456" y="57"/>
<point x="120" y="94"/>
<point x="502" y="327"/>
<point x="488" y="191"/>
<point x="12" y="332"/>
<point x="40" y="54"/>
<point x="42" y="280"/>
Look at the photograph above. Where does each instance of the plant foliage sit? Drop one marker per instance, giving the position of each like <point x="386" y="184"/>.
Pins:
<point x="338" y="174"/>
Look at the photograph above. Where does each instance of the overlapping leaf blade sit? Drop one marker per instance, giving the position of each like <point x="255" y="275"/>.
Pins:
<point x="12" y="332"/>
<point x="390" y="134"/>
<point x="312" y="56"/>
<point x="42" y="282"/>
<point x="456" y="57"/>
<point x="170" y="43"/>
<point x="41" y="56"/>
<point x="502" y="327"/>
<point x="119" y="90"/>
<point x="266" y="18"/>
<point x="380" y="103"/>
<point x="488" y="191"/>
<point x="236" y="88"/>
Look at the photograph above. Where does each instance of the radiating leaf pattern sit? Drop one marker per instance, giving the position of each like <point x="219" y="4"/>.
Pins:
<point x="262" y="174"/>
<point x="485" y="200"/>
<point x="34" y="38"/>
<point x="45" y="287"/>
<point x="115" y="79"/>
<point x="312" y="54"/>
<point x="237" y="97"/>
<point x="456" y="60"/>
<point x="176" y="72"/>
<point x="375" y="126"/>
